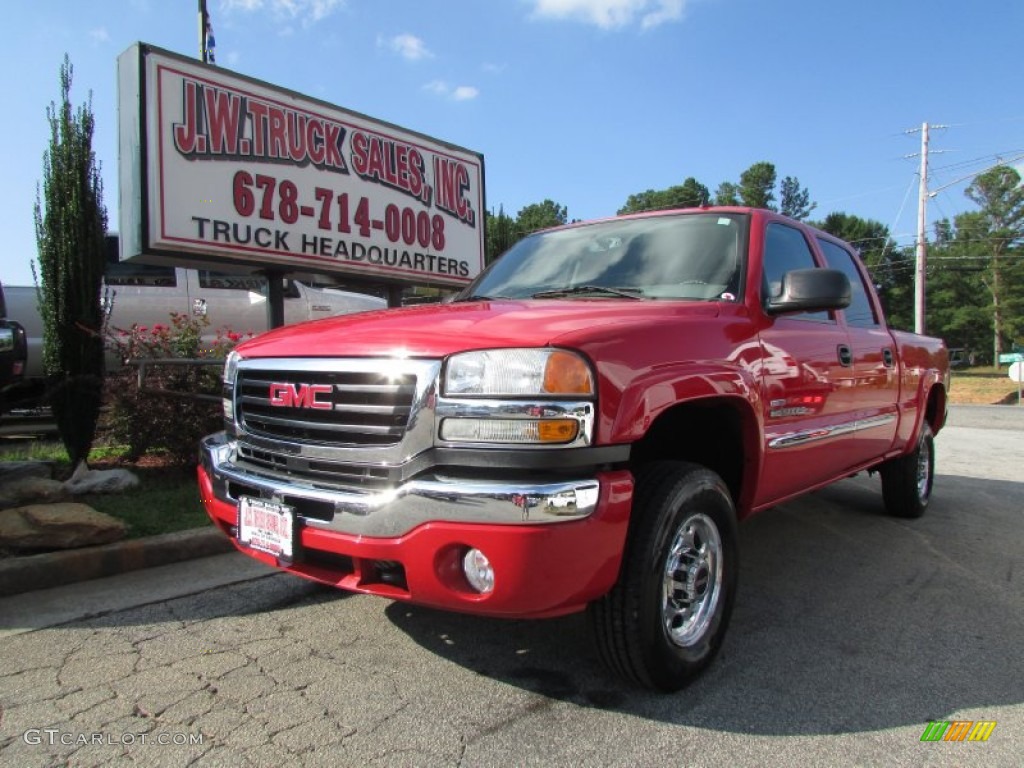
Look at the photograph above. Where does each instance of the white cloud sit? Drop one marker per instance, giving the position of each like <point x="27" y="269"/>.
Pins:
<point x="408" y="46"/>
<point x="610" y="14"/>
<point x="309" y="11"/>
<point x="494" y="69"/>
<point x="99" y="35"/>
<point x="241" y="5"/>
<point x="458" y="93"/>
<point x="234" y="57"/>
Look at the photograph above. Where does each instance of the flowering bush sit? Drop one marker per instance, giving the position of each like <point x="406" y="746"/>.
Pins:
<point x="164" y="415"/>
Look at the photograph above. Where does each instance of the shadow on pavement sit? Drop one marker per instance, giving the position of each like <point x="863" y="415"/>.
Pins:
<point x="847" y="621"/>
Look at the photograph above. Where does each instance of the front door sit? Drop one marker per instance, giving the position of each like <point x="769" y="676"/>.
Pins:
<point x="806" y="371"/>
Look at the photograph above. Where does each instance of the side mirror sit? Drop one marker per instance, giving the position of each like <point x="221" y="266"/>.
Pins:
<point x="810" y="290"/>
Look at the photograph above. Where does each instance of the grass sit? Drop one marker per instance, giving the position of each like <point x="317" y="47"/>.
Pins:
<point x="166" y="499"/>
<point x="982" y="386"/>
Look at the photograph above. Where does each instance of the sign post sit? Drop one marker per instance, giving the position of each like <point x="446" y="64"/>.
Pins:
<point x="1017" y="375"/>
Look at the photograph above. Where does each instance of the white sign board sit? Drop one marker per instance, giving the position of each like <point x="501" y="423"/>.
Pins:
<point x="222" y="168"/>
<point x="1017" y="372"/>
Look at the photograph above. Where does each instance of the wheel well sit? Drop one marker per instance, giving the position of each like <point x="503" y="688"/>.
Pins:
<point x="714" y="434"/>
<point x="935" y="409"/>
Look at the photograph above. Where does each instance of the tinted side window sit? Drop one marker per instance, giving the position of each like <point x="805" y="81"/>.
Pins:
<point x="210" y="279"/>
<point x="860" y="313"/>
<point x="129" y="273"/>
<point x="786" y="249"/>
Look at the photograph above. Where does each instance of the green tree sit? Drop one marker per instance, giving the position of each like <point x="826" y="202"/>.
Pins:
<point x="501" y="234"/>
<point x="541" y="216"/>
<point x="727" y="194"/>
<point x="794" y="200"/>
<point x="71" y="223"/>
<point x="757" y="185"/>
<point x="958" y="303"/>
<point x="690" y="194"/>
<point x="999" y="194"/>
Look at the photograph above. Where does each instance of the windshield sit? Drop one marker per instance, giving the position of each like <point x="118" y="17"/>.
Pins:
<point x="686" y="256"/>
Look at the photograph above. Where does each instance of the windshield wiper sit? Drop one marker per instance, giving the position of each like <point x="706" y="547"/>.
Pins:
<point x="600" y="290"/>
<point x="479" y="297"/>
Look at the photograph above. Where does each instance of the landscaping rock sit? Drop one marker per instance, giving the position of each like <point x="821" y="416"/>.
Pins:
<point x="19" y="470"/>
<point x="31" y="490"/>
<point x="57" y="526"/>
<point x="85" y="480"/>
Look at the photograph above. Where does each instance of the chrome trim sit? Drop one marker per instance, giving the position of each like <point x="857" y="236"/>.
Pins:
<point x="691" y="581"/>
<point x="419" y="432"/>
<point x="395" y="512"/>
<point x="454" y="408"/>
<point x="790" y="439"/>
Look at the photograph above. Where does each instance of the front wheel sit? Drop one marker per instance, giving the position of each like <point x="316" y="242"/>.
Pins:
<point x="665" y="619"/>
<point x="907" y="480"/>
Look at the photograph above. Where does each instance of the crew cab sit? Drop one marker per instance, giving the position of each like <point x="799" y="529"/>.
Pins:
<point x="582" y="428"/>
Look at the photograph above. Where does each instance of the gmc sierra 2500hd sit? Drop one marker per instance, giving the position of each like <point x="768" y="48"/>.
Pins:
<point x="581" y="428"/>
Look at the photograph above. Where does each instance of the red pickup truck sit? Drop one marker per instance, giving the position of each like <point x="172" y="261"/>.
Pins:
<point x="581" y="428"/>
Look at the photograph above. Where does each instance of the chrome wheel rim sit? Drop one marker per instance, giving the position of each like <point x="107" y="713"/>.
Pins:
<point x="692" y="580"/>
<point x="924" y="470"/>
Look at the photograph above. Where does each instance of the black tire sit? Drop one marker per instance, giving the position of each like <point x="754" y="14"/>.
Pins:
<point x="907" y="480"/>
<point x="639" y="627"/>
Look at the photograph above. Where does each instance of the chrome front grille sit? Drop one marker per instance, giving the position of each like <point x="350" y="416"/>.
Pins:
<point x="334" y="423"/>
<point x="352" y="408"/>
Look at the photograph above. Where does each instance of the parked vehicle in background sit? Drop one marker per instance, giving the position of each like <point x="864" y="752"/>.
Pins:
<point x="582" y="428"/>
<point x="961" y="357"/>
<point x="13" y="353"/>
<point x="147" y="295"/>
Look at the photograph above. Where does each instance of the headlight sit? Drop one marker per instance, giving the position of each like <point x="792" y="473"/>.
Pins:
<point x="517" y="372"/>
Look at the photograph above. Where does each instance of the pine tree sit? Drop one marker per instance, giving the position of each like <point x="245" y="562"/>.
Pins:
<point x="71" y="224"/>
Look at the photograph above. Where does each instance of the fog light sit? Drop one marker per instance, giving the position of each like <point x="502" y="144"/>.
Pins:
<point x="479" y="572"/>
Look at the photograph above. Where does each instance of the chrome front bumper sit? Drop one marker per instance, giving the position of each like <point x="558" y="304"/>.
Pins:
<point x="394" y="512"/>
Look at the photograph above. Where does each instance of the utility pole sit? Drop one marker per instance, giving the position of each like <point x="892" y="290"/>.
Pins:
<point x="920" y="262"/>
<point x="921" y="259"/>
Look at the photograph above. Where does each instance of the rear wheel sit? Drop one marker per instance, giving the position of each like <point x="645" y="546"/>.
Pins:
<point x="907" y="480"/>
<point x="665" y="619"/>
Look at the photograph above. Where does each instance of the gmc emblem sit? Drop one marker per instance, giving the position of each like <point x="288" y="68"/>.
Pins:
<point x="300" y="395"/>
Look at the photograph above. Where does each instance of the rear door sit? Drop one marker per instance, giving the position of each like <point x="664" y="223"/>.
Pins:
<point x="872" y="400"/>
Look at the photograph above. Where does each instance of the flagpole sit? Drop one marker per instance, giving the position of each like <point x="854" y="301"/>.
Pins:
<point x="202" y="31"/>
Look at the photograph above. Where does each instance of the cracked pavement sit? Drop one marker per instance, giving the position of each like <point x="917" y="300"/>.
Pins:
<point x="852" y="630"/>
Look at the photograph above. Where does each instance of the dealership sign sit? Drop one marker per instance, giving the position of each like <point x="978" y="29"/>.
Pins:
<point x="219" y="168"/>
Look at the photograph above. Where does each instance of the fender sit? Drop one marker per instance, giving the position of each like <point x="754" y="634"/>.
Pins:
<point x="652" y="395"/>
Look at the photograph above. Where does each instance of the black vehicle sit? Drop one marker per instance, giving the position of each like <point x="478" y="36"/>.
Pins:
<point x="13" y="353"/>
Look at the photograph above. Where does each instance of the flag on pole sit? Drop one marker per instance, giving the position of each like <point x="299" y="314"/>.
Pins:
<point x="210" y="42"/>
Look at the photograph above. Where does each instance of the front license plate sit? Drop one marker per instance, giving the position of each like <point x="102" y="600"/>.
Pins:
<point x="268" y="526"/>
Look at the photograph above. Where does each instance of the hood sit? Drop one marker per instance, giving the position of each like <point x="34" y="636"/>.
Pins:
<point x="437" y="330"/>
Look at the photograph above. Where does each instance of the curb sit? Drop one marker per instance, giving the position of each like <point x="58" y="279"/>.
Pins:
<point x="55" y="569"/>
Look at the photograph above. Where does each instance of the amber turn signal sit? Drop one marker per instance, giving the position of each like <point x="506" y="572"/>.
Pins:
<point x="557" y="430"/>
<point x="567" y="374"/>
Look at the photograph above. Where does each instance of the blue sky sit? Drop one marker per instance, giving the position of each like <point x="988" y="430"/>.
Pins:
<point x="580" y="101"/>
